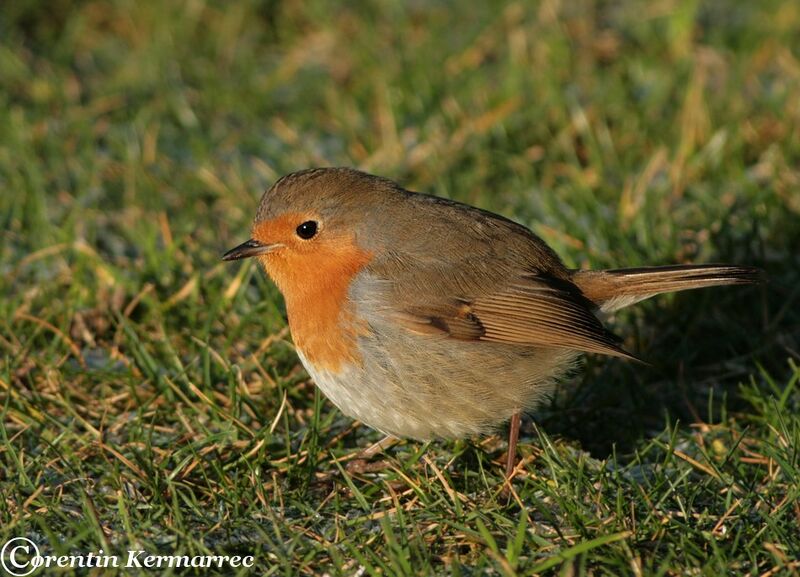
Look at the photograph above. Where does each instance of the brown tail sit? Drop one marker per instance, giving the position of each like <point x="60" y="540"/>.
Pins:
<point x="611" y="290"/>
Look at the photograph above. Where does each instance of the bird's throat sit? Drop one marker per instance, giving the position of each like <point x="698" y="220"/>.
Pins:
<point x="316" y="289"/>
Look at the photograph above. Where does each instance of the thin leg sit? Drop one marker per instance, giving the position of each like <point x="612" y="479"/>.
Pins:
<point x="513" y="435"/>
<point x="377" y="448"/>
<point x="359" y="462"/>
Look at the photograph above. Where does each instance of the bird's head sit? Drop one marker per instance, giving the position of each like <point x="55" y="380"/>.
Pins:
<point x="317" y="227"/>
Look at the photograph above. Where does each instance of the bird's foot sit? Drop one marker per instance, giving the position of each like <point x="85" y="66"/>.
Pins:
<point x="359" y="462"/>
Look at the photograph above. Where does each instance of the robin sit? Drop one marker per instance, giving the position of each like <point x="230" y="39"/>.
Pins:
<point x="427" y="318"/>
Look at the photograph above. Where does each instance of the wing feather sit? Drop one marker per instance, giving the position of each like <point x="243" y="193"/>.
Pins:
<point x="535" y="311"/>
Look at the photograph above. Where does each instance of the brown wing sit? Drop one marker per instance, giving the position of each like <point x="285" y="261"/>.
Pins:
<point x="476" y="276"/>
<point x="535" y="310"/>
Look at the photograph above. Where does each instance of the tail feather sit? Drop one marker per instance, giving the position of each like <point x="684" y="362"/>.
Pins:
<point x="614" y="289"/>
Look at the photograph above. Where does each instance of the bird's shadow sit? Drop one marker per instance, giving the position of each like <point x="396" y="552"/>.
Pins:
<point x="699" y="346"/>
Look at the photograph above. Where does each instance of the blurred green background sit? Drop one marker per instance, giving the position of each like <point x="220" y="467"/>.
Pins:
<point x="151" y="395"/>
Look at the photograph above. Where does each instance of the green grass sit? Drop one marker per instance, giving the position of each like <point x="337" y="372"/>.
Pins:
<point x="150" y="394"/>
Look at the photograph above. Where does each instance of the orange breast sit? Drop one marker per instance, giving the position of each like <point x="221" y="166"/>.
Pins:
<point x="314" y="279"/>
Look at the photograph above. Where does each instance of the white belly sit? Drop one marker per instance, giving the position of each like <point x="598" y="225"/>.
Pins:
<point x="368" y="402"/>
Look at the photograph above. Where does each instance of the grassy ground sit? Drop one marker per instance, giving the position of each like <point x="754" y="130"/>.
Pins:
<point x="150" y="394"/>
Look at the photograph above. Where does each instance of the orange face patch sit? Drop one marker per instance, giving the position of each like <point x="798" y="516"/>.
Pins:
<point x="314" y="276"/>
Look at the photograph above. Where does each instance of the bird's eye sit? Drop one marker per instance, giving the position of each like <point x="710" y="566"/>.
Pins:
<point x="307" y="230"/>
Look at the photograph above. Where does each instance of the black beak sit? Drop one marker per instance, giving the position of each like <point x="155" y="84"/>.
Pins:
<point x="247" y="249"/>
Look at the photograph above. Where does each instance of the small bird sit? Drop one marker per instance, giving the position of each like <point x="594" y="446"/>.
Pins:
<point x="427" y="318"/>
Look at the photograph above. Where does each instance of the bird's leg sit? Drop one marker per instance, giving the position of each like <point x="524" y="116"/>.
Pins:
<point x="387" y="442"/>
<point x="359" y="464"/>
<point x="513" y="435"/>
